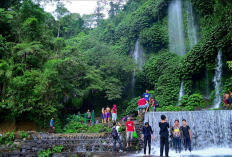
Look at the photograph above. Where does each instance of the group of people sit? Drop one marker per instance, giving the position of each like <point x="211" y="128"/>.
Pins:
<point x="227" y="99"/>
<point x="130" y="129"/>
<point x="178" y="133"/>
<point x="106" y="114"/>
<point x="145" y="101"/>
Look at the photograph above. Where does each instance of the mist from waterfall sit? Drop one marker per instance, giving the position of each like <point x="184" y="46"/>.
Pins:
<point x="175" y="28"/>
<point x="192" y="31"/>
<point x="217" y="80"/>
<point x="139" y="60"/>
<point x="210" y="130"/>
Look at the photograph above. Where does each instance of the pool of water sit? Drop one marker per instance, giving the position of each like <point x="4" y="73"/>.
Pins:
<point x="209" y="152"/>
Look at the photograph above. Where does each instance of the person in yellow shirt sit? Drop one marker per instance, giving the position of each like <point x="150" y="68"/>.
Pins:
<point x="176" y="136"/>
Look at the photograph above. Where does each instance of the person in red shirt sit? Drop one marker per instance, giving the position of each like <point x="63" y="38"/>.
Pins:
<point x="142" y="104"/>
<point x="130" y="128"/>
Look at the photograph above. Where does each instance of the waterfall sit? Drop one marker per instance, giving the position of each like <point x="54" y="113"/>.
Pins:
<point x="217" y="80"/>
<point x="210" y="130"/>
<point x="181" y="93"/>
<point x="139" y="60"/>
<point x="192" y="33"/>
<point x="175" y="28"/>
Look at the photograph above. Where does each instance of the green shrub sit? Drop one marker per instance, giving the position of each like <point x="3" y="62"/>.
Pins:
<point x="121" y="129"/>
<point x="7" y="138"/>
<point x="190" y="102"/>
<point x="75" y="127"/>
<point x="96" y="128"/>
<point x="57" y="149"/>
<point x="23" y="134"/>
<point x="44" y="153"/>
<point x="169" y="108"/>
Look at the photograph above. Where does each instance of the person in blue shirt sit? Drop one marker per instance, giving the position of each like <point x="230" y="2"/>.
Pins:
<point x="147" y="132"/>
<point x="51" y="126"/>
<point x="147" y="96"/>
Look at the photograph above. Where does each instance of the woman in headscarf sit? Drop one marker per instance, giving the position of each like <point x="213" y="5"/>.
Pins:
<point x="147" y="133"/>
<point x="114" y="113"/>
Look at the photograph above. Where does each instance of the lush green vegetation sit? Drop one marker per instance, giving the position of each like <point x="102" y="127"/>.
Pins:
<point x="7" y="138"/>
<point x="50" y="65"/>
<point x="76" y="126"/>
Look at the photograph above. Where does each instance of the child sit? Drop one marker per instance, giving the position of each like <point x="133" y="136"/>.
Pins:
<point x="153" y="105"/>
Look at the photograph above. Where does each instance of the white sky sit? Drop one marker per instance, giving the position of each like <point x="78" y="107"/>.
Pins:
<point x="77" y="6"/>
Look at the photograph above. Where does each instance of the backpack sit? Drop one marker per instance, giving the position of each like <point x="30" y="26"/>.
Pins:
<point x="155" y="102"/>
<point x="114" y="132"/>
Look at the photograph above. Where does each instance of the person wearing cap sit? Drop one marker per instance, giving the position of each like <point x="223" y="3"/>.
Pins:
<point x="130" y="128"/>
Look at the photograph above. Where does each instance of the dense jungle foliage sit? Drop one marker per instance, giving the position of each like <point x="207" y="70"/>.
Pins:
<point x="51" y="64"/>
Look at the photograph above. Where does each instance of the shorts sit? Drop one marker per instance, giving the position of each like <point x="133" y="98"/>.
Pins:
<point x="107" y="115"/>
<point x="103" y="116"/>
<point x="153" y="108"/>
<point x="143" y="106"/>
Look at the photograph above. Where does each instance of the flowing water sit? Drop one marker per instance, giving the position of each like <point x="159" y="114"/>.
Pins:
<point x="192" y="31"/>
<point x="139" y="60"/>
<point x="181" y="93"/>
<point x="217" y="80"/>
<point x="210" y="130"/>
<point x="175" y="28"/>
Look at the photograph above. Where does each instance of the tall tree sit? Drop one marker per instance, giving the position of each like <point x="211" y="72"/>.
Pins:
<point x="60" y="12"/>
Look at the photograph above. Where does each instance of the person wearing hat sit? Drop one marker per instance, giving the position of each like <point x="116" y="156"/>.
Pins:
<point x="130" y="128"/>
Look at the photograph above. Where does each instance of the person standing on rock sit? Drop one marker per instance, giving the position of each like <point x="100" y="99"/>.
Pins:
<point x="108" y="114"/>
<point x="103" y="115"/>
<point x="186" y="135"/>
<point x="147" y="133"/>
<point x="164" y="125"/>
<point x="116" y="137"/>
<point x="51" y="126"/>
<point x="176" y="136"/>
<point x="130" y="128"/>
<point x="147" y="96"/>
<point x="114" y="113"/>
<point x="153" y="105"/>
<point x="89" y="116"/>
<point x="141" y="104"/>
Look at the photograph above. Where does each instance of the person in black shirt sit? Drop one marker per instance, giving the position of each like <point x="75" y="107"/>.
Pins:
<point x="147" y="132"/>
<point x="186" y="135"/>
<point x="164" y="125"/>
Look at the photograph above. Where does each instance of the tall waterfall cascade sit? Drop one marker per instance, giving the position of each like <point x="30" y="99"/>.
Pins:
<point x="175" y="28"/>
<point x="209" y="129"/>
<point x="139" y="60"/>
<point x="192" y="31"/>
<point x="217" y="81"/>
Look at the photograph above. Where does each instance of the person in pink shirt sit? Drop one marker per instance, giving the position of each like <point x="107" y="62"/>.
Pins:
<point x="142" y="104"/>
<point x="114" y="113"/>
